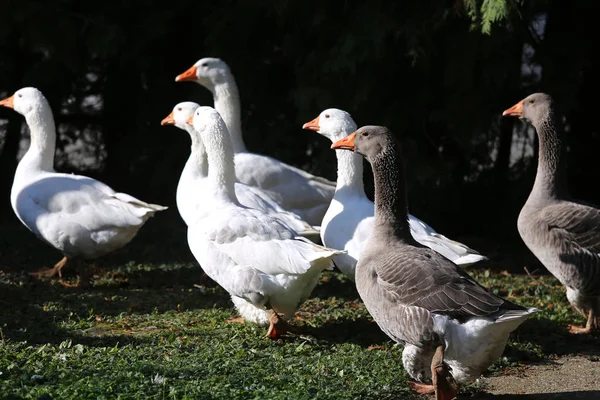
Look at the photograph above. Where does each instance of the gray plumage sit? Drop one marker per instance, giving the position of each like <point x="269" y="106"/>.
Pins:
<point x="416" y="295"/>
<point x="562" y="233"/>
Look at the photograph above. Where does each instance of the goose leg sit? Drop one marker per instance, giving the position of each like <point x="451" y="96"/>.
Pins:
<point x="51" y="272"/>
<point x="444" y="384"/>
<point x="592" y="325"/>
<point x="85" y="276"/>
<point x="277" y="326"/>
<point x="422" y="388"/>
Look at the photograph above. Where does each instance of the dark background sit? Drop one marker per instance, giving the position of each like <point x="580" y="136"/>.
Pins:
<point x="438" y="73"/>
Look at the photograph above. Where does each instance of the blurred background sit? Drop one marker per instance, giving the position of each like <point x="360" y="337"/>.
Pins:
<point x="438" y="73"/>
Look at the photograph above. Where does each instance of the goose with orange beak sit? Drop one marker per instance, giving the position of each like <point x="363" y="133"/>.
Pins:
<point x="452" y="328"/>
<point x="296" y="190"/>
<point x="192" y="189"/>
<point x="349" y="218"/>
<point x="264" y="264"/>
<point x="562" y="233"/>
<point x="79" y="216"/>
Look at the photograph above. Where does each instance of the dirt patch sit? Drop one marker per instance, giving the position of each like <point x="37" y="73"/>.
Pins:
<point x="567" y="377"/>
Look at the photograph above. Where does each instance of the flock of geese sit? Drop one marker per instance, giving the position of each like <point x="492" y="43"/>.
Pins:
<point x="253" y="223"/>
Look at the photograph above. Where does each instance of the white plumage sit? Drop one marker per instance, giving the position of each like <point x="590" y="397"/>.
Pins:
<point x="262" y="262"/>
<point x="349" y="218"/>
<point x="192" y="189"/>
<point x="77" y="215"/>
<point x="299" y="192"/>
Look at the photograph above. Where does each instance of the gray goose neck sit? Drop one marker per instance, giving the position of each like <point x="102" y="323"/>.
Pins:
<point x="550" y="181"/>
<point x="391" y="209"/>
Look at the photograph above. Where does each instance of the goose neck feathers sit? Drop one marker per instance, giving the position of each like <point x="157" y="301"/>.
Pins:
<point x="550" y="182"/>
<point x="32" y="104"/>
<point x="550" y="178"/>
<point x="198" y="156"/>
<point x="213" y="133"/>
<point x="391" y="209"/>
<point x="227" y="103"/>
<point x="350" y="172"/>
<point x="197" y="165"/>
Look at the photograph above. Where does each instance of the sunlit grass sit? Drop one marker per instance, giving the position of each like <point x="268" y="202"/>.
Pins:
<point x="151" y="331"/>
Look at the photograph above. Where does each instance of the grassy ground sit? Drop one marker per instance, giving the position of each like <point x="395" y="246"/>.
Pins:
<point x="145" y="331"/>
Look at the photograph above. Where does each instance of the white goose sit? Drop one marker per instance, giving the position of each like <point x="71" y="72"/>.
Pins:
<point x="349" y="218"/>
<point x="192" y="187"/>
<point x="77" y="215"/>
<point x="300" y="192"/>
<point x="266" y="267"/>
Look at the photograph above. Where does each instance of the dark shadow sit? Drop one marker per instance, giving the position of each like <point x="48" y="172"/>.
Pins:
<point x="162" y="240"/>
<point x="553" y="338"/>
<point x="29" y="307"/>
<point x="335" y="284"/>
<point x="364" y="332"/>
<point x="581" y="395"/>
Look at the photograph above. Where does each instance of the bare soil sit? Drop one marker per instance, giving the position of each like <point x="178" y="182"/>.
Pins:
<point x="573" y="377"/>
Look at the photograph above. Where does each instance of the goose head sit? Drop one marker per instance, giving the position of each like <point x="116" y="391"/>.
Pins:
<point x="208" y="72"/>
<point x="25" y="101"/>
<point x="180" y="114"/>
<point x="533" y="108"/>
<point x="332" y="123"/>
<point x="207" y="121"/>
<point x="369" y="141"/>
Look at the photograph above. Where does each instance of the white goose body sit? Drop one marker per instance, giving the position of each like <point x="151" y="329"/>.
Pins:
<point x="298" y="191"/>
<point x="256" y="257"/>
<point x="349" y="218"/>
<point x="471" y="347"/>
<point x="77" y="215"/>
<point x="193" y="184"/>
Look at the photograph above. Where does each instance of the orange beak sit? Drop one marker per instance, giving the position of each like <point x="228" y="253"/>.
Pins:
<point x="189" y="75"/>
<point x="515" y="111"/>
<point x="169" y="120"/>
<point x="8" y="102"/>
<point x="312" y="125"/>
<point x="189" y="121"/>
<point x="346" y="143"/>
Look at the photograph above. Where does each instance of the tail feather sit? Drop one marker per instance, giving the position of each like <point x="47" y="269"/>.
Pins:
<point x="124" y="197"/>
<point x="511" y="315"/>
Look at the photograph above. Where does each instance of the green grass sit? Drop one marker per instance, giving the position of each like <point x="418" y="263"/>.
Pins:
<point x="144" y="331"/>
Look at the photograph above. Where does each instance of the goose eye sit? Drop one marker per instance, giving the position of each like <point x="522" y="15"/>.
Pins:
<point x="20" y="95"/>
<point x="326" y="115"/>
<point x="531" y="101"/>
<point x="178" y="108"/>
<point x="365" y="134"/>
<point x="205" y="64"/>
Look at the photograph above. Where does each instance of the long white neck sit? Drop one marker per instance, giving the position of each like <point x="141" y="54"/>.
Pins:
<point x="197" y="164"/>
<point x="221" y="171"/>
<point x="349" y="173"/>
<point x="349" y="163"/>
<point x="227" y="103"/>
<point x="40" y="155"/>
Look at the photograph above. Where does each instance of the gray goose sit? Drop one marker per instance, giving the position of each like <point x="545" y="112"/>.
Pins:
<point x="452" y="327"/>
<point x="562" y="233"/>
